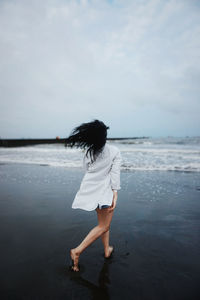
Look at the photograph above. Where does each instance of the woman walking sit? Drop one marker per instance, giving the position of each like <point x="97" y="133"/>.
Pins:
<point x="99" y="186"/>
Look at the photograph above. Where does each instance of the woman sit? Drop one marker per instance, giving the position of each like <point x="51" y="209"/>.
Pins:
<point x="99" y="186"/>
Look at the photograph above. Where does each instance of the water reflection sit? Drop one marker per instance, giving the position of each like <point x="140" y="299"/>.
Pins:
<point x="99" y="291"/>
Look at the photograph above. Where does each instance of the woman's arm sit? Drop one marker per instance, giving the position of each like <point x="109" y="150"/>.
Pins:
<point x="115" y="172"/>
<point x="115" y="179"/>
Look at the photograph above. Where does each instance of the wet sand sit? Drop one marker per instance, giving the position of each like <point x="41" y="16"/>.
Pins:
<point x="155" y="232"/>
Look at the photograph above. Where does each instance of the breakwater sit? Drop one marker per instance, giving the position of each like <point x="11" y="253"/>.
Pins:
<point x="28" y="142"/>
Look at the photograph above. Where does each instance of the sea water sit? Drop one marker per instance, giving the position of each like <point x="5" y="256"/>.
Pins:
<point x="163" y="154"/>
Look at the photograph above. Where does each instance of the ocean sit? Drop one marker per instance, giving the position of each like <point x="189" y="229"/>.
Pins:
<point x="147" y="154"/>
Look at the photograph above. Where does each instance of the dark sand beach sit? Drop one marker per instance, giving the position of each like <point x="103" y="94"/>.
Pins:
<point x="155" y="232"/>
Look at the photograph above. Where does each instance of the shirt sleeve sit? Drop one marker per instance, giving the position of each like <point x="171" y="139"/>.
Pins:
<point x="115" y="172"/>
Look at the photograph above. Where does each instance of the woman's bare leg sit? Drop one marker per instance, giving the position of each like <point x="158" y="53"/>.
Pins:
<point x="104" y="220"/>
<point x="105" y="239"/>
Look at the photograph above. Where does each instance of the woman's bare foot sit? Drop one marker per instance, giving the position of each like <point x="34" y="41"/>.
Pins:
<point x="75" y="257"/>
<point x="109" y="252"/>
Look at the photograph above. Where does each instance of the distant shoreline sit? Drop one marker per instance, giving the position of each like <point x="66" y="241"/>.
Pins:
<point x="27" y="142"/>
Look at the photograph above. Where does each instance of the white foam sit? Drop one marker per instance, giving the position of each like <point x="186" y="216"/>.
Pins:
<point x="67" y="164"/>
<point x="146" y="156"/>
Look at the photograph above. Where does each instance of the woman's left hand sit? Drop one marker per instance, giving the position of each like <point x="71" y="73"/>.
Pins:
<point x="114" y="202"/>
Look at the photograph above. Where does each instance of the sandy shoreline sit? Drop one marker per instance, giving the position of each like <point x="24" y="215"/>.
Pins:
<point x="155" y="231"/>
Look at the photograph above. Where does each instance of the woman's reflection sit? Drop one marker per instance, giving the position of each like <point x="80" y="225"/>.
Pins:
<point x="99" y="291"/>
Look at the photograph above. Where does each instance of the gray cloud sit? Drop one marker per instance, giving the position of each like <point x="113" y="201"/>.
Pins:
<point x="125" y="62"/>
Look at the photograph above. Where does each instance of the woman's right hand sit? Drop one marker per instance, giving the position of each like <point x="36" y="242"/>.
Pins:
<point x="114" y="201"/>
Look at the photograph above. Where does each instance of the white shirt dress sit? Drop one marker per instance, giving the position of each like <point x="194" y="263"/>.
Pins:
<point x="101" y="177"/>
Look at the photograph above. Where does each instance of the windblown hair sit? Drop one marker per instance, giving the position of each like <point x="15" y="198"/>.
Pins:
<point x="90" y="135"/>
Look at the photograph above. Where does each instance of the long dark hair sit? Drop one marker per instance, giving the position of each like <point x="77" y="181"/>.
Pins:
<point x="91" y="135"/>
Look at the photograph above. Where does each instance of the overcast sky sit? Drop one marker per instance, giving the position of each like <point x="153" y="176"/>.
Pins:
<point x="133" y="64"/>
